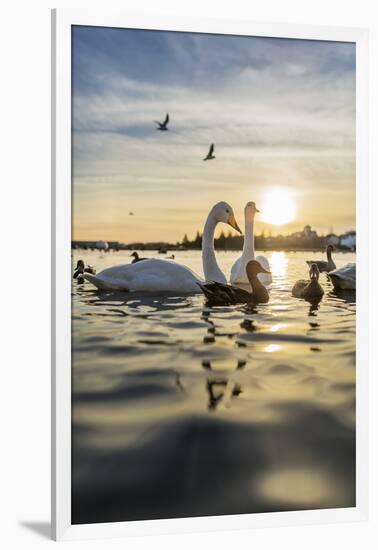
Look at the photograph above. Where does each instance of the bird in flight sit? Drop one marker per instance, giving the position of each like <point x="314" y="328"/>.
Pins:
<point x="163" y="125"/>
<point x="210" y="155"/>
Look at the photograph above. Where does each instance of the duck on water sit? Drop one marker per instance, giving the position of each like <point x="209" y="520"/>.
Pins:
<point x="324" y="265"/>
<point x="223" y="294"/>
<point x="82" y="268"/>
<point x="136" y="258"/>
<point x="309" y="289"/>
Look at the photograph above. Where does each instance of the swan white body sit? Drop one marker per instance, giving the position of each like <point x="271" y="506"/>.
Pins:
<point x="344" y="278"/>
<point x="150" y="275"/>
<point x="155" y="275"/>
<point x="238" y="270"/>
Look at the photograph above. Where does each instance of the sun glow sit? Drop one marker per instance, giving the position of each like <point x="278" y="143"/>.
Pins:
<point x="278" y="207"/>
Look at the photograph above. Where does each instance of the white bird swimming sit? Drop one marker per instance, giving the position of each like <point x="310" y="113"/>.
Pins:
<point x="238" y="270"/>
<point x="153" y="275"/>
<point x="344" y="278"/>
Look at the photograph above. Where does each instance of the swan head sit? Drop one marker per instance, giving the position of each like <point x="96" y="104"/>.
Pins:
<point x="253" y="268"/>
<point x="330" y="248"/>
<point x="80" y="265"/>
<point x="314" y="272"/>
<point x="250" y="210"/>
<point x="223" y="212"/>
<point x="134" y="254"/>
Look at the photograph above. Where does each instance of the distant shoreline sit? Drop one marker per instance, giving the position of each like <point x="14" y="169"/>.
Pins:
<point x="180" y="249"/>
<point x="301" y="241"/>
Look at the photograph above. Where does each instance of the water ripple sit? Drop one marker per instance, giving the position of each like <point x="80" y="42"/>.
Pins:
<point x="182" y="409"/>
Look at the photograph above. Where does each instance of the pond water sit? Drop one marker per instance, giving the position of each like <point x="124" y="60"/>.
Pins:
<point x="180" y="409"/>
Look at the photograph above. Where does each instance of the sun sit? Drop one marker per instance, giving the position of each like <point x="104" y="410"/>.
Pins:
<point x="278" y="207"/>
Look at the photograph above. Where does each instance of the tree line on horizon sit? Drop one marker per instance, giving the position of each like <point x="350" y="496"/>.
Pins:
<point x="227" y="241"/>
<point x="305" y="239"/>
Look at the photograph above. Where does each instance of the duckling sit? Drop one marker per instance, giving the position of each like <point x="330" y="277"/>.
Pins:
<point x="136" y="257"/>
<point x="324" y="265"/>
<point x="309" y="290"/>
<point x="82" y="268"/>
<point x="223" y="294"/>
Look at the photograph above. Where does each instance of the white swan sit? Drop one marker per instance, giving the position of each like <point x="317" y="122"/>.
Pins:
<point x="153" y="275"/>
<point x="344" y="278"/>
<point x="238" y="270"/>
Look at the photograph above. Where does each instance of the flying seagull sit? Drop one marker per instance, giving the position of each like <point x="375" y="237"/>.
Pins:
<point x="210" y="155"/>
<point x="162" y="125"/>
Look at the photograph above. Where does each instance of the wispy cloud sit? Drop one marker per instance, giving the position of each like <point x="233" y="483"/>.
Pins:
<point x="279" y="111"/>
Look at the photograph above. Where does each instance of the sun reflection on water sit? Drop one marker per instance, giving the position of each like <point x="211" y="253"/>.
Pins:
<point x="278" y="261"/>
<point x="271" y="348"/>
<point x="277" y="327"/>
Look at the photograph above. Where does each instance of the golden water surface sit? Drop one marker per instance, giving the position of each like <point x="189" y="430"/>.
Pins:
<point x="180" y="409"/>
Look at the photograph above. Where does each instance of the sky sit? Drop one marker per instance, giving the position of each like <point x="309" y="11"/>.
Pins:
<point x="280" y="112"/>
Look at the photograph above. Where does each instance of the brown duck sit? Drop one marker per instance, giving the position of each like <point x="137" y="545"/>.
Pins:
<point x="136" y="257"/>
<point x="310" y="289"/>
<point x="223" y="294"/>
<point x="82" y="268"/>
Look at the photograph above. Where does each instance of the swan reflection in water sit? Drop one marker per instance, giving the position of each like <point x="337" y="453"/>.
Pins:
<point x="221" y="389"/>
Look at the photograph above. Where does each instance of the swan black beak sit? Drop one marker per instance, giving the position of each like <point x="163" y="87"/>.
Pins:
<point x="233" y="223"/>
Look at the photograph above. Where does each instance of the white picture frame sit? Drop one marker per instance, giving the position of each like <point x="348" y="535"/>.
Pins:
<point x="62" y="20"/>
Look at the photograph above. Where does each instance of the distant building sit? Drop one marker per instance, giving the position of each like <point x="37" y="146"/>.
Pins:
<point x="97" y="245"/>
<point x="308" y="233"/>
<point x="102" y="245"/>
<point x="348" y="240"/>
<point x="333" y="239"/>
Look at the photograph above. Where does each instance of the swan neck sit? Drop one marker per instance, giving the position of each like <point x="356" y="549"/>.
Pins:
<point x="329" y="255"/>
<point x="255" y="283"/>
<point x="210" y="266"/>
<point x="249" y="238"/>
